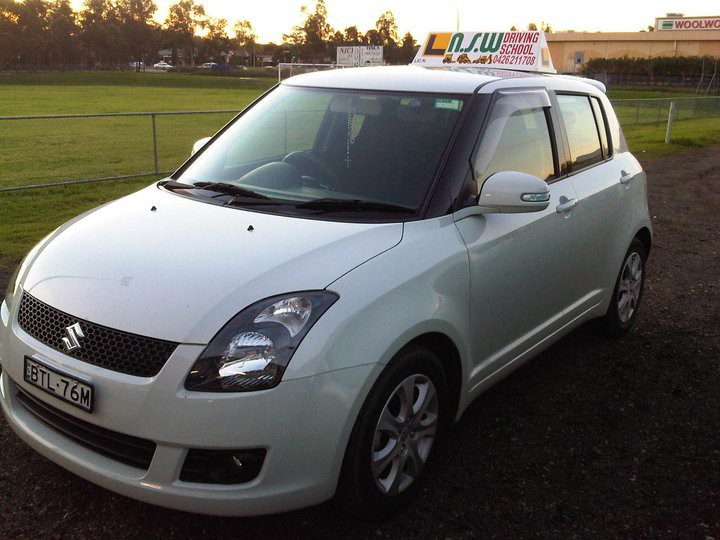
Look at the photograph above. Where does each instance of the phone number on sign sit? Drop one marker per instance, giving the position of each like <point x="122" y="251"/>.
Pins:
<point x="514" y="59"/>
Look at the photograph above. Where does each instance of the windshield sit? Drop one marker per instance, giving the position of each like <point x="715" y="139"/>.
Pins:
<point x="312" y="150"/>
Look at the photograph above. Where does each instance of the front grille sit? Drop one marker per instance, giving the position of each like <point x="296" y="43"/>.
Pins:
<point x="126" y="449"/>
<point x="102" y="346"/>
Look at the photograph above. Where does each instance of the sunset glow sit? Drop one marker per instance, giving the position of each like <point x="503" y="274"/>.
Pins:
<point x="273" y="18"/>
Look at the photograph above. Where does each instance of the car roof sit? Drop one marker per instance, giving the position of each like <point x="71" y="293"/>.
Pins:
<point x="455" y="80"/>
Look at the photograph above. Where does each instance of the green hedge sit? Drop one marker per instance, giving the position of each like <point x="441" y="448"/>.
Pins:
<point x="679" y="66"/>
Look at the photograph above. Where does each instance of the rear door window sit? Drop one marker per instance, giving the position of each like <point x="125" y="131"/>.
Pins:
<point x="582" y="130"/>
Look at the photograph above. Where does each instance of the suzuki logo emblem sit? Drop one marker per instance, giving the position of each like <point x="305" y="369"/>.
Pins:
<point x="74" y="335"/>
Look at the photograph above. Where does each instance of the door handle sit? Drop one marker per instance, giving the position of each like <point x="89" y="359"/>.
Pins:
<point x="565" y="205"/>
<point x="625" y="177"/>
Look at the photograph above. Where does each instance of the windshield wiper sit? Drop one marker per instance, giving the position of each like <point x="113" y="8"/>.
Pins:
<point x="230" y="189"/>
<point x="172" y="184"/>
<point x="219" y="187"/>
<point x="250" y="201"/>
<point x="331" y="204"/>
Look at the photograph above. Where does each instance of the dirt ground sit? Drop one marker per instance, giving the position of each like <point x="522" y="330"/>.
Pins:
<point x="593" y="439"/>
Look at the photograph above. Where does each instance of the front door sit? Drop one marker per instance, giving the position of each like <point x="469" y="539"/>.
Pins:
<point x="520" y="264"/>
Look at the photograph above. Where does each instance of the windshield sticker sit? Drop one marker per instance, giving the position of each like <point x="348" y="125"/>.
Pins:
<point x="448" y="104"/>
<point x="410" y="102"/>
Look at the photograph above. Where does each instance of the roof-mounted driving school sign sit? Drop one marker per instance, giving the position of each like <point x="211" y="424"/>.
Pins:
<point x="523" y="51"/>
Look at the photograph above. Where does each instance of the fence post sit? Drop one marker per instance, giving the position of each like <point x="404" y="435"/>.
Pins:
<point x="671" y="119"/>
<point x="155" y="154"/>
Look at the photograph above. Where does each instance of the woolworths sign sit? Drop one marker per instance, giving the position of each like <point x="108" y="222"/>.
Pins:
<point x="688" y="23"/>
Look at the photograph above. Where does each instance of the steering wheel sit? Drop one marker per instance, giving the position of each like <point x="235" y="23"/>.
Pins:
<point x="313" y="171"/>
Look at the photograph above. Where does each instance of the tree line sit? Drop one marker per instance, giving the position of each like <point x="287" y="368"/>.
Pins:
<point x="315" y="40"/>
<point x="111" y="33"/>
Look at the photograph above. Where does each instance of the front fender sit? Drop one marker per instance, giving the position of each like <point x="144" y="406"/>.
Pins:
<point x="418" y="287"/>
<point x="421" y="286"/>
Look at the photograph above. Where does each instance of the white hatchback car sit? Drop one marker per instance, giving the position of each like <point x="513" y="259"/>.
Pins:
<point x="308" y="303"/>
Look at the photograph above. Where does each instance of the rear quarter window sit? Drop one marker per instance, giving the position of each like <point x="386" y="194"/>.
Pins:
<point x="617" y="139"/>
<point x="601" y="124"/>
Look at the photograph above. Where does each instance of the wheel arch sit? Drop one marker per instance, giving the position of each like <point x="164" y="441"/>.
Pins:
<point x="645" y="237"/>
<point x="351" y="488"/>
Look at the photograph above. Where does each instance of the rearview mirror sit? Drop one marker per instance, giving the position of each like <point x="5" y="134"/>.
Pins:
<point x="199" y="144"/>
<point x="350" y="104"/>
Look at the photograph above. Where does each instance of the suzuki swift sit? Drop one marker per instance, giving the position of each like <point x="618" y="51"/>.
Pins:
<point x="309" y="302"/>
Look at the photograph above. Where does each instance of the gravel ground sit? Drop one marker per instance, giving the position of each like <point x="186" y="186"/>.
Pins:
<point x="594" y="438"/>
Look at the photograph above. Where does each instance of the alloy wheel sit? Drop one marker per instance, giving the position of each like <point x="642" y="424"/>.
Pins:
<point x="629" y="287"/>
<point x="405" y="434"/>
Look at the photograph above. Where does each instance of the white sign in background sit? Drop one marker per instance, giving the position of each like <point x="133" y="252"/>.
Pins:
<point x="360" y="56"/>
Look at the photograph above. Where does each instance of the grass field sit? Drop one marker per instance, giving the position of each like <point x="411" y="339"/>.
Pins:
<point x="70" y="149"/>
<point x="648" y="141"/>
<point x="27" y="216"/>
<point x="40" y="151"/>
<point x="633" y="92"/>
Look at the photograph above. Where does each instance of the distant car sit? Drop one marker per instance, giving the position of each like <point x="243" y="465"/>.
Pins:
<point x="137" y="65"/>
<point x="208" y="65"/>
<point x="162" y="64"/>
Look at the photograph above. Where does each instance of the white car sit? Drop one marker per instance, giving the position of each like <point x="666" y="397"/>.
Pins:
<point x="363" y="252"/>
<point x="162" y="64"/>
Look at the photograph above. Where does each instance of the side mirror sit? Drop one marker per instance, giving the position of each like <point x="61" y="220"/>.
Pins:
<point x="510" y="192"/>
<point x="199" y="144"/>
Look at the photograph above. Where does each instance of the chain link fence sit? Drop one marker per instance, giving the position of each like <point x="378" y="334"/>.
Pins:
<point x="55" y="150"/>
<point x="705" y="84"/>
<point x="655" y="111"/>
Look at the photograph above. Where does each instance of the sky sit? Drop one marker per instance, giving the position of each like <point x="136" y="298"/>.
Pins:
<point x="272" y="18"/>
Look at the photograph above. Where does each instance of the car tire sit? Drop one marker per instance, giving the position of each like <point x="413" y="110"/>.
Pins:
<point x="390" y="453"/>
<point x="627" y="294"/>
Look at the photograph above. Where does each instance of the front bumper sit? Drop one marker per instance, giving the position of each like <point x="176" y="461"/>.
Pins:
<point x="303" y="425"/>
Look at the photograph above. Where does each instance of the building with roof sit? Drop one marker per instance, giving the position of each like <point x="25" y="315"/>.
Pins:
<point x="674" y="36"/>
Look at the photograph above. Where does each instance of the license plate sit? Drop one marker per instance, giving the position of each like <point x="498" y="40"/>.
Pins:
<point x="61" y="385"/>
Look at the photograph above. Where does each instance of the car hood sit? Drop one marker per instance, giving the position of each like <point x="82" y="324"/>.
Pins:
<point x="166" y="266"/>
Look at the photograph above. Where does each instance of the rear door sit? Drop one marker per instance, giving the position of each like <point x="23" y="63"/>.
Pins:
<point x="600" y="179"/>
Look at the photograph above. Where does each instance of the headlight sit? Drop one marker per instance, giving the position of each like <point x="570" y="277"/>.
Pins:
<point x="252" y="351"/>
